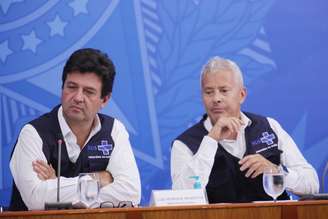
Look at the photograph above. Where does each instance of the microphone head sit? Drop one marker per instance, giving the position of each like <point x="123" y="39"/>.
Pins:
<point x="59" y="136"/>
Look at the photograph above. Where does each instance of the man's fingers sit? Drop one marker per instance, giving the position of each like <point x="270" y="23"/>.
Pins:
<point x="225" y="128"/>
<point x="43" y="170"/>
<point x="38" y="169"/>
<point x="41" y="177"/>
<point x="233" y="124"/>
<point x="52" y="170"/>
<point x="258" y="172"/>
<point x="233" y="127"/>
<point x="253" y="169"/>
<point x="237" y="123"/>
<point x="246" y="162"/>
<point x="245" y="159"/>
<point x="256" y="164"/>
<point x="41" y="174"/>
<point x="40" y="166"/>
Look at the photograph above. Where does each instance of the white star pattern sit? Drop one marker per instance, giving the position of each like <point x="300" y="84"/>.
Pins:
<point x="4" y="51"/>
<point x="5" y="4"/>
<point x="79" y="6"/>
<point x="31" y="41"/>
<point x="57" y="26"/>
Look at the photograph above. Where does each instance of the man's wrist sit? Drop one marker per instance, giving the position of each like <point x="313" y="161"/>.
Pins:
<point x="213" y="137"/>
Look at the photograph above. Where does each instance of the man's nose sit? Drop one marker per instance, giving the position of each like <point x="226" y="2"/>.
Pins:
<point x="79" y="97"/>
<point x="218" y="96"/>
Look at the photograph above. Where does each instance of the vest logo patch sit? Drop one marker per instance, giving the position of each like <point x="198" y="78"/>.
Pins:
<point x="267" y="139"/>
<point x="104" y="147"/>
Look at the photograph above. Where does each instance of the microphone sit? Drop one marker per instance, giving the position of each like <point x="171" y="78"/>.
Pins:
<point x="58" y="168"/>
<point x="58" y="205"/>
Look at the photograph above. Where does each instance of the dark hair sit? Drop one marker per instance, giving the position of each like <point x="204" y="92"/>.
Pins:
<point x="95" y="61"/>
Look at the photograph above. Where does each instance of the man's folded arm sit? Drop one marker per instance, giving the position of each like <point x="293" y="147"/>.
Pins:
<point x="34" y="191"/>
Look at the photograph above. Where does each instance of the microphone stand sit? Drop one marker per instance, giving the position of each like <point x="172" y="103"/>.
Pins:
<point x="58" y="205"/>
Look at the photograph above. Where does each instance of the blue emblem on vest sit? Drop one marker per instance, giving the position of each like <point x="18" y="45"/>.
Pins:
<point x="267" y="138"/>
<point x="104" y="147"/>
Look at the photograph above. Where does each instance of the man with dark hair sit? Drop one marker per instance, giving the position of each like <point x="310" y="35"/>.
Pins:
<point x="92" y="142"/>
<point x="229" y="149"/>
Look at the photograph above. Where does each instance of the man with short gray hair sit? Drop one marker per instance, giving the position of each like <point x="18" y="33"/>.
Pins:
<point x="229" y="149"/>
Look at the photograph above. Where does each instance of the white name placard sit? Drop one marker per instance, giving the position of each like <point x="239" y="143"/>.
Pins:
<point x="178" y="197"/>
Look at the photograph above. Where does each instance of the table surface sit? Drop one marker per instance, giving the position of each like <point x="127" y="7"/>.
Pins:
<point x="285" y="209"/>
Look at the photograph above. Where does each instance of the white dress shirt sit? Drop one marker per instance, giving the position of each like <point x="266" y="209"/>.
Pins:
<point x="300" y="179"/>
<point x="35" y="192"/>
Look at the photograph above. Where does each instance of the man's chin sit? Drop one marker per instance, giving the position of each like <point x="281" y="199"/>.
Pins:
<point x="216" y="116"/>
<point x="75" y="117"/>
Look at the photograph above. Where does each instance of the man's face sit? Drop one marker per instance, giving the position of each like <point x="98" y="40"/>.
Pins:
<point x="81" y="97"/>
<point x="222" y="95"/>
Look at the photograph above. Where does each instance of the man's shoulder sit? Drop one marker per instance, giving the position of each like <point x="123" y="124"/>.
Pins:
<point x="254" y="115"/>
<point x="111" y="124"/>
<point x="256" y="119"/>
<point x="193" y="136"/>
<point x="260" y="121"/>
<point x="107" y="120"/>
<point x="195" y="131"/>
<point x="45" y="118"/>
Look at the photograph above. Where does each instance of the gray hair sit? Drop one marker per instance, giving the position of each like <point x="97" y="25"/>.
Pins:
<point x="217" y="64"/>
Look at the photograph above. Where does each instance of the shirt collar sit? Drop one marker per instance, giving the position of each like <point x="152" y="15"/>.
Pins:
<point x="66" y="129"/>
<point x="247" y="122"/>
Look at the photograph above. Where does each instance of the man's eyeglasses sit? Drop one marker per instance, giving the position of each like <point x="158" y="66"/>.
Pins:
<point x="121" y="204"/>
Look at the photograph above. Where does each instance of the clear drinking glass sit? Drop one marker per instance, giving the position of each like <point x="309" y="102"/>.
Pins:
<point x="274" y="182"/>
<point x="88" y="189"/>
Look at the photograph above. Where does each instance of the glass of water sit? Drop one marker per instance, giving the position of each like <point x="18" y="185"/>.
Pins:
<point x="274" y="182"/>
<point x="88" y="188"/>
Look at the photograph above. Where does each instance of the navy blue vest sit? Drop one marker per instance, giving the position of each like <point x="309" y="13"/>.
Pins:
<point x="94" y="156"/>
<point x="226" y="182"/>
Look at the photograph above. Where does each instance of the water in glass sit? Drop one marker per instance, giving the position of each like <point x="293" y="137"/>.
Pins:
<point x="274" y="183"/>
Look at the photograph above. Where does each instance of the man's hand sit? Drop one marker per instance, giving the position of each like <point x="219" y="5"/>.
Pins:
<point x="226" y="128"/>
<point x="43" y="170"/>
<point x="105" y="178"/>
<point x="256" y="165"/>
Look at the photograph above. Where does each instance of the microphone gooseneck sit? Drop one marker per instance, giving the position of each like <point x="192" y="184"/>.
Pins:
<point x="59" y="143"/>
<point x="58" y="205"/>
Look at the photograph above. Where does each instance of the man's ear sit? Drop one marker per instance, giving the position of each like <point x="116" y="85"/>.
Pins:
<point x="243" y="94"/>
<point x="105" y="100"/>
